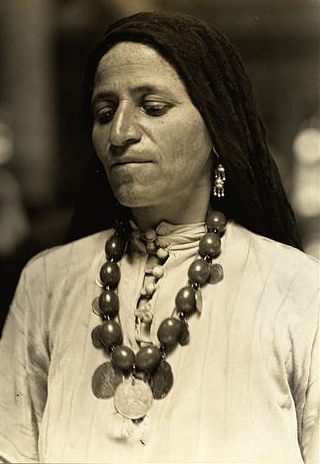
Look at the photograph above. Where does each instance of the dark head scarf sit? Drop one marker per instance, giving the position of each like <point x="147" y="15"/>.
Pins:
<point x="220" y="89"/>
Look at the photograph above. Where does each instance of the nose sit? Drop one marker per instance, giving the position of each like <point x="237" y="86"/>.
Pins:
<point x="124" y="127"/>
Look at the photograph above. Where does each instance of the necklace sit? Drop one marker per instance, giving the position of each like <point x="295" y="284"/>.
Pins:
<point x="134" y="380"/>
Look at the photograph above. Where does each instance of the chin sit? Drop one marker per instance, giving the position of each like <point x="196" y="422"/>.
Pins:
<point x="127" y="197"/>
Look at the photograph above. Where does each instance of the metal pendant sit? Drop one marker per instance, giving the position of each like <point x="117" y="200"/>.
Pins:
<point x="216" y="271"/>
<point x="199" y="300"/>
<point x="105" y="380"/>
<point x="95" y="307"/>
<point x="161" y="380"/>
<point x="133" y="398"/>
<point x="184" y="337"/>
<point x="96" y="337"/>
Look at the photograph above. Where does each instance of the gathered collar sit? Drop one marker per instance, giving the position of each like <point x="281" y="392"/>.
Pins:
<point x="167" y="235"/>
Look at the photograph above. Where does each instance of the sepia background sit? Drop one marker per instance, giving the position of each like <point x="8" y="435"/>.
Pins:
<point x="44" y="148"/>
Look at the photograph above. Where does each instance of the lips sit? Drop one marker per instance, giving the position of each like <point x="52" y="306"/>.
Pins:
<point x="124" y="162"/>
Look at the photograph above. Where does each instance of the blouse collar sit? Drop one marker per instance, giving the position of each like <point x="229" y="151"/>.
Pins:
<point x="167" y="235"/>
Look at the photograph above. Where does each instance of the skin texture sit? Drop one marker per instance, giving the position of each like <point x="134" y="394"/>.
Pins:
<point x="151" y="139"/>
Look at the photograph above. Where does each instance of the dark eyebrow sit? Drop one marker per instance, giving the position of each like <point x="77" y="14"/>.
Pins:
<point x="136" y="90"/>
<point x="102" y="95"/>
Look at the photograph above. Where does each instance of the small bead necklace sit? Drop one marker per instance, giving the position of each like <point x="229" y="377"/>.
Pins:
<point x="134" y="380"/>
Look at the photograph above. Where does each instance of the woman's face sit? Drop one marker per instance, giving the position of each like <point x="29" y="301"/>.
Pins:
<point x="148" y="134"/>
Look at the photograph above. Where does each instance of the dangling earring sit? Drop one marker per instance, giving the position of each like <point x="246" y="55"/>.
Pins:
<point x="219" y="178"/>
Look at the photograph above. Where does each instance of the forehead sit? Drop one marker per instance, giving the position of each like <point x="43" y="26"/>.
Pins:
<point x="134" y="58"/>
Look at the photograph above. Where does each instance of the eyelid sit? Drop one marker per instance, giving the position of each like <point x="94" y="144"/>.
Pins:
<point x="156" y="103"/>
<point x="157" y="98"/>
<point x="103" y="112"/>
<point x="101" y="105"/>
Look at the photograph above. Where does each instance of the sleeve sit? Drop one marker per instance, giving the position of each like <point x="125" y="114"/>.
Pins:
<point x="305" y="359"/>
<point x="24" y="361"/>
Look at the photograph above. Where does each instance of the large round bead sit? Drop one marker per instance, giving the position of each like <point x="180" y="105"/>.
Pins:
<point x="109" y="303"/>
<point x="169" y="331"/>
<point x="110" y="274"/>
<point x="199" y="272"/>
<point x="115" y="247"/>
<point x="210" y="245"/>
<point x="216" y="221"/>
<point x="110" y="333"/>
<point x="148" y="357"/>
<point x="123" y="357"/>
<point x="186" y="300"/>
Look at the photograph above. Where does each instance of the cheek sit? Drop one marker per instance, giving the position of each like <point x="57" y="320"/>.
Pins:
<point x="192" y="143"/>
<point x="188" y="129"/>
<point x="199" y="136"/>
<point x="98" y="138"/>
<point x="94" y="138"/>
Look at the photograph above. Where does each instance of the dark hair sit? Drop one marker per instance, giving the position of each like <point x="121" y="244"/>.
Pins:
<point x="220" y="89"/>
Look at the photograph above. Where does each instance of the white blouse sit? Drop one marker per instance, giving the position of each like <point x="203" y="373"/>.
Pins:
<point x="245" y="388"/>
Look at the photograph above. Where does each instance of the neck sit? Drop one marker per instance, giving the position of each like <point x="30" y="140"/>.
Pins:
<point x="150" y="217"/>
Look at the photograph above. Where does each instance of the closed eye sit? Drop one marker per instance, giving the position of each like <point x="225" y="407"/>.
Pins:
<point x="104" y="114"/>
<point x="156" y="108"/>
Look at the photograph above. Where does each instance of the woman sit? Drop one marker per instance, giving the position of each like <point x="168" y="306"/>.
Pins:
<point x="178" y="335"/>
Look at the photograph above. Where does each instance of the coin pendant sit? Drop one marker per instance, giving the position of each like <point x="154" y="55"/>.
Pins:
<point x="199" y="301"/>
<point x="216" y="273"/>
<point x="133" y="398"/>
<point x="105" y="380"/>
<point x="161" y="380"/>
<point x="95" y="307"/>
<point x="95" y="336"/>
<point x="184" y="337"/>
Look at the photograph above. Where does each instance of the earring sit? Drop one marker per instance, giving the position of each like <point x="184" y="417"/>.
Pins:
<point x="218" y="181"/>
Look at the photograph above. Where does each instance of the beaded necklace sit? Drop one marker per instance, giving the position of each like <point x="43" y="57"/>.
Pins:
<point x="134" y="380"/>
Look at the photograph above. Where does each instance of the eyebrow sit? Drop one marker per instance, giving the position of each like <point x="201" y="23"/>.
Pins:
<point x="139" y="89"/>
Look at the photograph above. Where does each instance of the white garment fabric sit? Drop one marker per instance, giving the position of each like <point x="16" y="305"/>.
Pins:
<point x="245" y="388"/>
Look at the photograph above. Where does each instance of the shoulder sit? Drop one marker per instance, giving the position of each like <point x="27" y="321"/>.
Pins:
<point x="278" y="270"/>
<point x="279" y="255"/>
<point x="76" y="255"/>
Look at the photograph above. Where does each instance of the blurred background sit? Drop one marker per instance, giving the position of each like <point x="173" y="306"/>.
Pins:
<point x="44" y="148"/>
